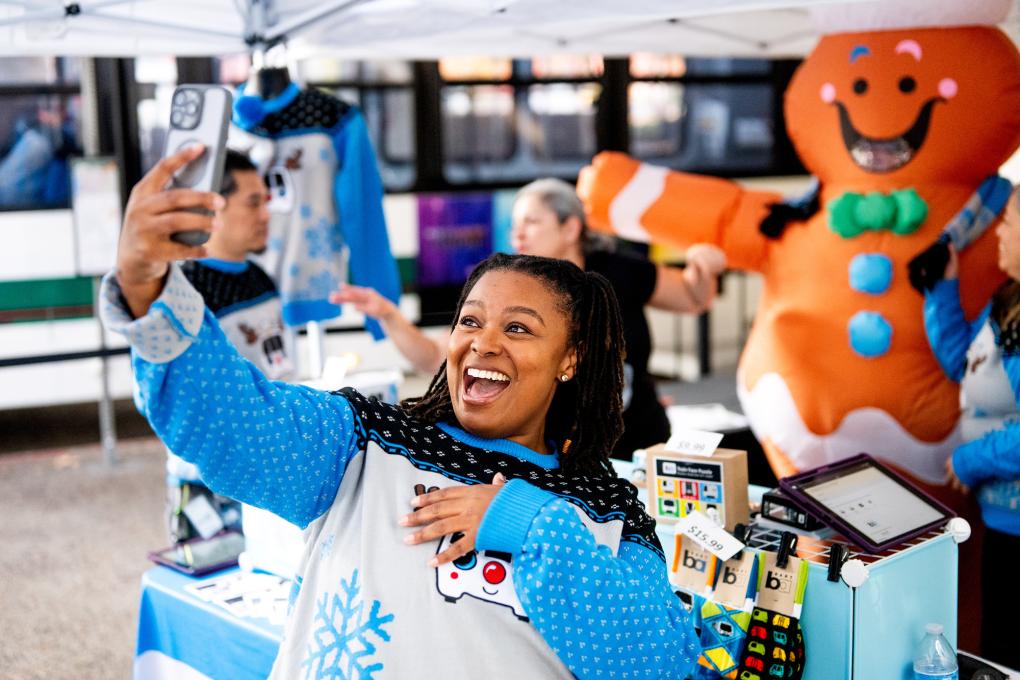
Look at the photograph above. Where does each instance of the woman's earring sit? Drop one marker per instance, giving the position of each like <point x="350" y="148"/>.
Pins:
<point x="564" y="378"/>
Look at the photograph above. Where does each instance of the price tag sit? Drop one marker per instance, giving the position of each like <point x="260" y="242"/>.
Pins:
<point x="708" y="535"/>
<point x="694" y="442"/>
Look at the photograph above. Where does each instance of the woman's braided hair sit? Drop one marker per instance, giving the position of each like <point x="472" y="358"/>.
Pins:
<point x="587" y="410"/>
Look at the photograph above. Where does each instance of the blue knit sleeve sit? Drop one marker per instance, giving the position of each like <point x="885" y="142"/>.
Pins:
<point x="949" y="333"/>
<point x="996" y="455"/>
<point x="604" y="615"/>
<point x="359" y="195"/>
<point x="276" y="446"/>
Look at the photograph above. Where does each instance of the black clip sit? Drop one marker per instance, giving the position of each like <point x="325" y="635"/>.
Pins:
<point x="742" y="533"/>
<point x="787" y="547"/>
<point x="838" y="554"/>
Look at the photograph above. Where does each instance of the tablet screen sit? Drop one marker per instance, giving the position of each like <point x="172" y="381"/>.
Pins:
<point x="874" y="503"/>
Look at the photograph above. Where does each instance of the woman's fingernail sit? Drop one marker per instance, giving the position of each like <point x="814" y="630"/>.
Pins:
<point x="434" y="562"/>
<point x="416" y="501"/>
<point x="409" y="539"/>
<point x="404" y="521"/>
<point x="219" y="202"/>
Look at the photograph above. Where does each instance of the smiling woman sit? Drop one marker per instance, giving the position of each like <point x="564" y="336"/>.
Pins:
<point x="501" y="468"/>
<point x="534" y="373"/>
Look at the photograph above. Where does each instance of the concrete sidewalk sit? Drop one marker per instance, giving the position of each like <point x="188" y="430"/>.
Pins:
<point x="73" y="539"/>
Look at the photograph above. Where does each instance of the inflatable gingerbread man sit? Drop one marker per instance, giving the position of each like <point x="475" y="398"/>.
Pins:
<point x="904" y="129"/>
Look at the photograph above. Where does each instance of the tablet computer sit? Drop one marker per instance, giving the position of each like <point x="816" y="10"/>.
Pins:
<point x="202" y="555"/>
<point x="869" y="503"/>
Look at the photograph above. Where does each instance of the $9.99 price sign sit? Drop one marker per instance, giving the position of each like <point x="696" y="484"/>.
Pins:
<point x="708" y="535"/>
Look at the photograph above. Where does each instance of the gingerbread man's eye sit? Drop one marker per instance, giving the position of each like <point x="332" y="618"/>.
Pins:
<point x="860" y="86"/>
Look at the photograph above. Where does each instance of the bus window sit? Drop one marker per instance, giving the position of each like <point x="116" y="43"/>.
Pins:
<point x="713" y="116"/>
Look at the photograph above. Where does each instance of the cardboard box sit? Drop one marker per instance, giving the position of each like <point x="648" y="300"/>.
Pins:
<point x="714" y="485"/>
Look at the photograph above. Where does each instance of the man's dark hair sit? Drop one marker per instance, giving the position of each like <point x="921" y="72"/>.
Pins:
<point x="587" y="410"/>
<point x="234" y="162"/>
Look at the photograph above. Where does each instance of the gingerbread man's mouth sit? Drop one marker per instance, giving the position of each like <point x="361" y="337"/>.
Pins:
<point x="878" y="155"/>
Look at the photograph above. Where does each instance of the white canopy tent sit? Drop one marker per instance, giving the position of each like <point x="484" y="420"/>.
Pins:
<point x="368" y="29"/>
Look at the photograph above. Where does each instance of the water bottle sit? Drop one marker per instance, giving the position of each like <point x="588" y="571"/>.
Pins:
<point x="935" y="658"/>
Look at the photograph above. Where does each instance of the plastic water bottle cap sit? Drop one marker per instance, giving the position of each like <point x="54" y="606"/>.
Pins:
<point x="934" y="629"/>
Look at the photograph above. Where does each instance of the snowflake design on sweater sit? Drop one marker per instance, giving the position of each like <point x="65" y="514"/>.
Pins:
<point x="322" y="284"/>
<point x="342" y="642"/>
<point x="318" y="243"/>
<point x="336" y="238"/>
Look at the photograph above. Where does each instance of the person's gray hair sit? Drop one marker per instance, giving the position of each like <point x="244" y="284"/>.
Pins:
<point x="558" y="196"/>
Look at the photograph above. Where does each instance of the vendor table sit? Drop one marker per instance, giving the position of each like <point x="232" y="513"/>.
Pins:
<point x="182" y="637"/>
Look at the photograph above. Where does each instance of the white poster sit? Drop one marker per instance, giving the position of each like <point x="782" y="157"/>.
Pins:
<point x="96" y="209"/>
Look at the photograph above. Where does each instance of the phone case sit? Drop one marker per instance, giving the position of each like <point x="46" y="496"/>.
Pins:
<point x="199" y="114"/>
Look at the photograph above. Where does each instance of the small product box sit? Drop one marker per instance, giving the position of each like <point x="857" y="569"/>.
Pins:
<point x="715" y="485"/>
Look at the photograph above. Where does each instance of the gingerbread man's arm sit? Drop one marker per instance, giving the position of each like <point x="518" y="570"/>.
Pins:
<point x="649" y="204"/>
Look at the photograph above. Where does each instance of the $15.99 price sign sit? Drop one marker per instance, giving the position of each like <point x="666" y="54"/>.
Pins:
<point x="708" y="535"/>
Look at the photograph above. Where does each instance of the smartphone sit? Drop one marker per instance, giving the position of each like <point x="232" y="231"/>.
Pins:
<point x="199" y="114"/>
<point x="202" y="555"/>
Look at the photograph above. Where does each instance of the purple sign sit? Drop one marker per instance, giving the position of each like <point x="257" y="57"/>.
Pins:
<point x="454" y="234"/>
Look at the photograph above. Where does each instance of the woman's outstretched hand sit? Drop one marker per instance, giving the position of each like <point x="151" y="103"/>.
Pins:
<point x="153" y="214"/>
<point x="456" y="509"/>
<point x="368" y="301"/>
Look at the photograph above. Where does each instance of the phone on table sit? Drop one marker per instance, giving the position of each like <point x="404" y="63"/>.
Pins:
<point x="199" y="114"/>
<point x="202" y="555"/>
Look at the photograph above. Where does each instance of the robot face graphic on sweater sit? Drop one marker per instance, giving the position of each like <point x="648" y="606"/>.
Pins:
<point x="488" y="575"/>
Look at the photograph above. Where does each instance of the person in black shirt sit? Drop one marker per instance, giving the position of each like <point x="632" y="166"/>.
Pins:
<point x="549" y="221"/>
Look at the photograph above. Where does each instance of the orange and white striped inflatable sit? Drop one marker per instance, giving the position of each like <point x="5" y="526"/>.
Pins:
<point x="837" y="362"/>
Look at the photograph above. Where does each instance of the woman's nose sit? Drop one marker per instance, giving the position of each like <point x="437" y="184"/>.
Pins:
<point x="486" y="343"/>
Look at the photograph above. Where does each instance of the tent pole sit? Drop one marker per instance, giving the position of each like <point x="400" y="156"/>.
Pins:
<point x="38" y="15"/>
<point x="285" y="29"/>
<point x="107" y="422"/>
<point x="134" y="21"/>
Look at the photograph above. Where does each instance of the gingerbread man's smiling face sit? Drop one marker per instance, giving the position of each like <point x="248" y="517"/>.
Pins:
<point x="907" y="107"/>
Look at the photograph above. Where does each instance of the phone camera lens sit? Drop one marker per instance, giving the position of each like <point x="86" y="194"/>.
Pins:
<point x="176" y="118"/>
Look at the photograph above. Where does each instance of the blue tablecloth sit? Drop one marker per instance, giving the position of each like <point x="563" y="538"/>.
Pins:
<point x="181" y="636"/>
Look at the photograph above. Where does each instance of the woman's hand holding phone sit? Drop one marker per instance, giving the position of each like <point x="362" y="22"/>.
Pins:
<point x="152" y="215"/>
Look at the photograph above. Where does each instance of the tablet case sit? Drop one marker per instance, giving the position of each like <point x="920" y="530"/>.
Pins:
<point x="831" y="519"/>
<point x="157" y="557"/>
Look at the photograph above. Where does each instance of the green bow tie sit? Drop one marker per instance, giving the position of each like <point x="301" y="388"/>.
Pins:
<point x="901" y="212"/>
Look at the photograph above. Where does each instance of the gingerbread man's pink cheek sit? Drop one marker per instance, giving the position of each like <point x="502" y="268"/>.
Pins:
<point x="948" y="88"/>
<point x="829" y="93"/>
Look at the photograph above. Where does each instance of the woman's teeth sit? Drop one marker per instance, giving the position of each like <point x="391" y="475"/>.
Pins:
<point x="488" y="375"/>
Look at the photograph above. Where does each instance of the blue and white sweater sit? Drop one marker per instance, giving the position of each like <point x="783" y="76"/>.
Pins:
<point x="986" y="361"/>
<point x="325" y="200"/>
<point x="568" y="578"/>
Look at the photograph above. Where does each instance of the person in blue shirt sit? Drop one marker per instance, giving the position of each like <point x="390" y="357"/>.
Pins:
<point x="476" y="530"/>
<point x="984" y="357"/>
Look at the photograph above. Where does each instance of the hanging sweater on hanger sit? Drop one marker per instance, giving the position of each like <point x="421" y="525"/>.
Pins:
<point x="326" y="200"/>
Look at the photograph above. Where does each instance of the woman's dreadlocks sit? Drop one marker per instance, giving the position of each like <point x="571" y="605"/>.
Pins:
<point x="587" y="410"/>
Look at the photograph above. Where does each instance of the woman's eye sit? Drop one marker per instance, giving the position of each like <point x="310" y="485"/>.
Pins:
<point x="517" y="328"/>
<point x="469" y="321"/>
